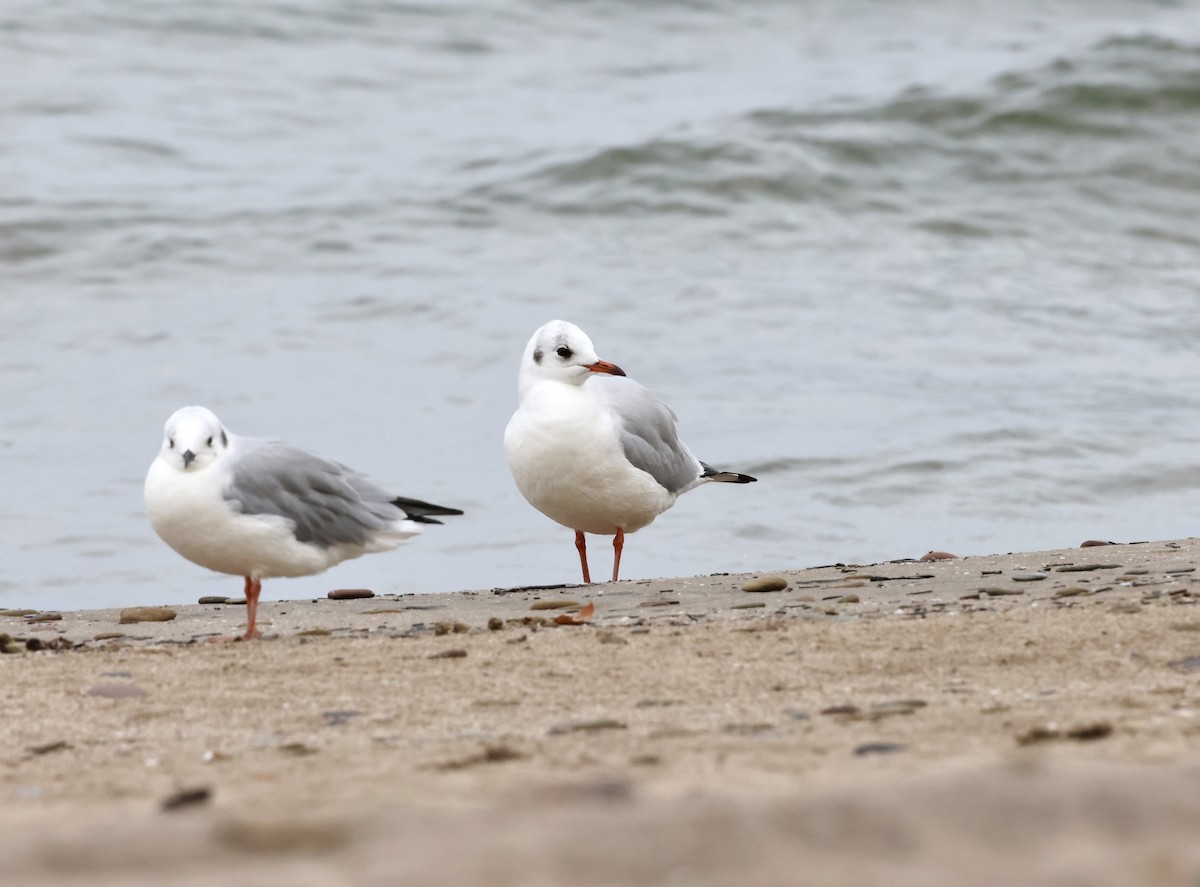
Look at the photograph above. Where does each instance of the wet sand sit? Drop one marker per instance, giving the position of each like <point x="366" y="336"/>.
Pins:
<point x="1028" y="718"/>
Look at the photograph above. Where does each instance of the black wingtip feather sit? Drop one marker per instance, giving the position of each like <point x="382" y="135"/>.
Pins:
<point x="726" y="477"/>
<point x="419" y="512"/>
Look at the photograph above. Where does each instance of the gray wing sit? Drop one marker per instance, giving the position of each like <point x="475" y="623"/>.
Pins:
<point x="329" y="503"/>
<point x="646" y="428"/>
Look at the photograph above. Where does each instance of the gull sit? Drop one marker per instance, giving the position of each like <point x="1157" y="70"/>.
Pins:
<point x="592" y="449"/>
<point x="261" y="509"/>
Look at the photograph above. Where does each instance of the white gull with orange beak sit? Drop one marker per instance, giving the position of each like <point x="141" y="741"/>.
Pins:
<point x="592" y="449"/>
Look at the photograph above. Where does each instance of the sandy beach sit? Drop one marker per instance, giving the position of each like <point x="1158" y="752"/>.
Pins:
<point x="1022" y="718"/>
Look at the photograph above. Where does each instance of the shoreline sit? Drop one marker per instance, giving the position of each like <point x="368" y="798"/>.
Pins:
<point x="890" y="723"/>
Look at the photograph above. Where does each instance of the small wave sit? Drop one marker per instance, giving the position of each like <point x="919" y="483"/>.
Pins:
<point x="1116" y="110"/>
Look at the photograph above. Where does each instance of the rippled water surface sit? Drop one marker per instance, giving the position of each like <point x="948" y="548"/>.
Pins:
<point x="931" y="273"/>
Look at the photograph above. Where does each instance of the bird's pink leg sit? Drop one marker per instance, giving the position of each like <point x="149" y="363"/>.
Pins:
<point x="581" y="544"/>
<point x="253" y="589"/>
<point x="618" y="544"/>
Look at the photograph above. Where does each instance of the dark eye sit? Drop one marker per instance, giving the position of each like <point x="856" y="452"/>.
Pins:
<point x="210" y="440"/>
<point x="563" y="351"/>
<point x="170" y="443"/>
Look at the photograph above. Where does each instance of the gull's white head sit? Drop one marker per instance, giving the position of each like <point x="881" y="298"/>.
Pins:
<point x="193" y="439"/>
<point x="561" y="351"/>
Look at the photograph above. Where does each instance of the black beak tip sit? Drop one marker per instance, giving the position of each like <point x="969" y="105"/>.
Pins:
<point x="188" y="458"/>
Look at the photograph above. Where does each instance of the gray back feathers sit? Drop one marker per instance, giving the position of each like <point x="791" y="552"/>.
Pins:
<point x="329" y="503"/>
<point x="646" y="427"/>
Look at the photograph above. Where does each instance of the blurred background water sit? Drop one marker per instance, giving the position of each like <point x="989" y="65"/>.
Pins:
<point x="931" y="270"/>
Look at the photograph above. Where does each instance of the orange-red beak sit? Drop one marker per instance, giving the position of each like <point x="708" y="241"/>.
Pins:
<point x="603" y="366"/>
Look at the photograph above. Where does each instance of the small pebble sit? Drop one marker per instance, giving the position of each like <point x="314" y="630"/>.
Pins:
<point x="897" y="707"/>
<point x="750" y="606"/>
<point x="298" y="749"/>
<point x="1072" y="592"/>
<point x="847" y="709"/>
<point x="1094" y="543"/>
<point x="17" y="613"/>
<point x="44" y="617"/>
<point x="1191" y="663"/>
<point x="495" y="623"/>
<point x="116" y="691"/>
<point x="188" y="797"/>
<point x="555" y="604"/>
<point x="1085" y="568"/>
<point x="449" y="654"/>
<point x="877" y="748"/>
<point x="340" y="717"/>
<point x="146" y="614"/>
<point x="349" y="594"/>
<point x="848" y="599"/>
<point x="47" y="747"/>
<point x="930" y="556"/>
<point x="1001" y="592"/>
<point x="765" y="583"/>
<point x="214" y="599"/>
<point x="1027" y="577"/>
<point x="593" y="726"/>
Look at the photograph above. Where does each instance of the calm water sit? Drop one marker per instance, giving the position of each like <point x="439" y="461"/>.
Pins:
<point x="931" y="273"/>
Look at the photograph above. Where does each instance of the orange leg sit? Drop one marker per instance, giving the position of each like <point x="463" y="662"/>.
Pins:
<point x="618" y="544"/>
<point x="581" y="544"/>
<point x="253" y="589"/>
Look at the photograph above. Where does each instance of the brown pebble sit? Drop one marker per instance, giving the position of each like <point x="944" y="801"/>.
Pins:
<point x="146" y="614"/>
<point x="555" y="604"/>
<point x="47" y="747"/>
<point x="1088" y="732"/>
<point x="929" y="556"/>
<point x="495" y="623"/>
<point x="765" y="583"/>
<point x="449" y="654"/>
<point x="349" y="594"/>
<point x="313" y="633"/>
<point x="750" y="606"/>
<point x="608" y="636"/>
<point x="109" y="635"/>
<point x="214" y="599"/>
<point x="1093" y="543"/>
<point x="848" y="599"/>
<point x="847" y="709"/>
<point x="188" y="797"/>
<point x="116" y="691"/>
<point x="1072" y="592"/>
<point x="17" y="613"/>
<point x="1000" y="592"/>
<point x="441" y="628"/>
<point x="44" y="617"/>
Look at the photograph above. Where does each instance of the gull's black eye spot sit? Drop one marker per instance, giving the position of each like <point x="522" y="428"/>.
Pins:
<point x="563" y="351"/>
<point x="170" y="443"/>
<point x="224" y="438"/>
<point x="210" y="440"/>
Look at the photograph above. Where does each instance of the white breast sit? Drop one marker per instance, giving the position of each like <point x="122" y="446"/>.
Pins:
<point x="566" y="458"/>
